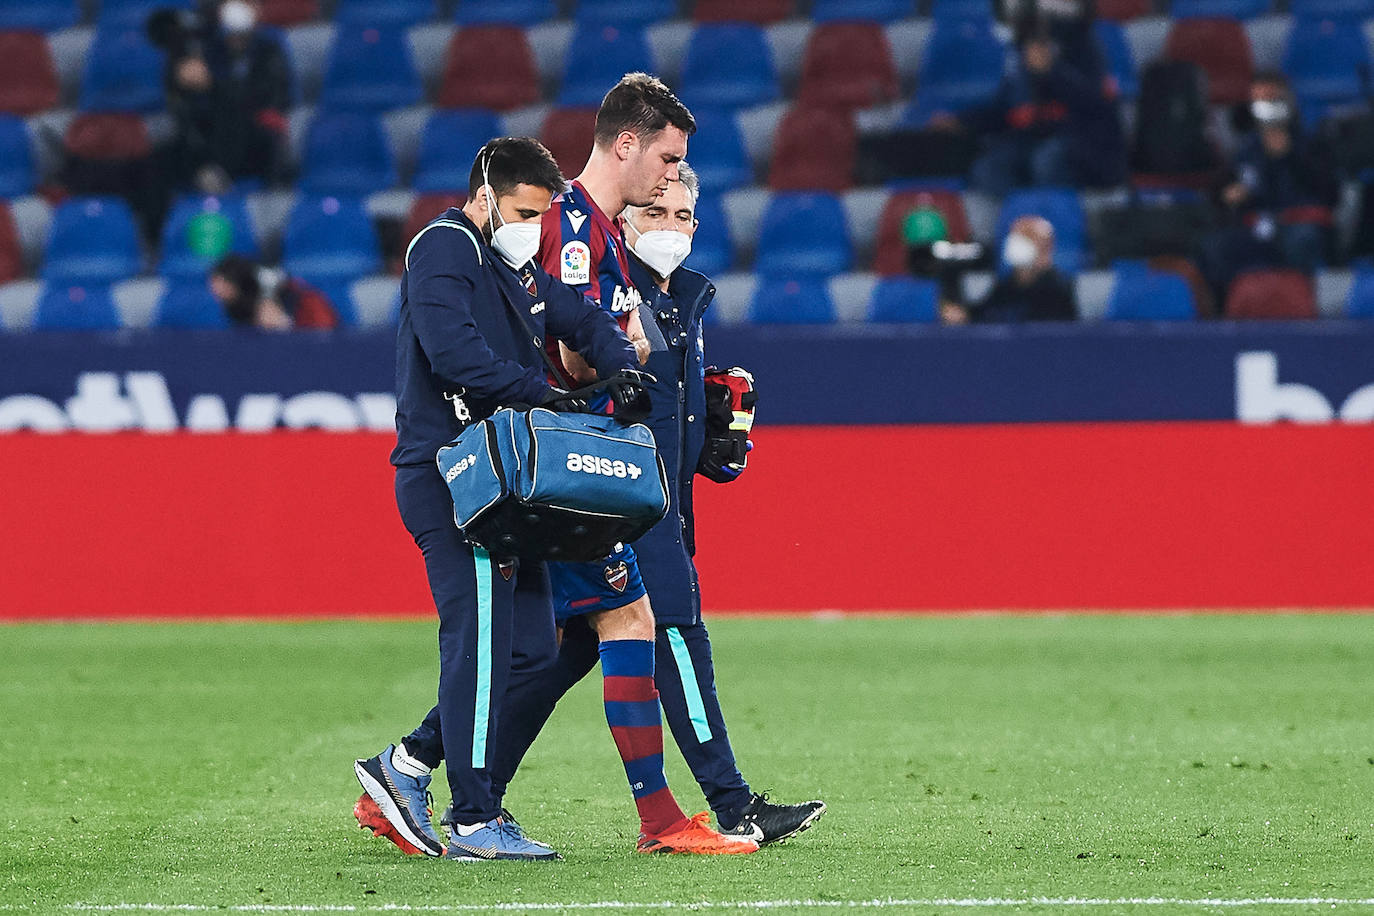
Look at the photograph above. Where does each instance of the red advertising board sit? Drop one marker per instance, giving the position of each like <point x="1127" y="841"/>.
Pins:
<point x="1090" y="516"/>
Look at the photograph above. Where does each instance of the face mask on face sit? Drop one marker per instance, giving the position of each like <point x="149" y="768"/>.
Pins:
<point x="237" y="16"/>
<point x="663" y="250"/>
<point x="516" y="243"/>
<point x="1019" y="251"/>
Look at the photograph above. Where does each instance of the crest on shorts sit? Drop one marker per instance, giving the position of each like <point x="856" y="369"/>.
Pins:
<point x="618" y="576"/>
<point x="507" y="568"/>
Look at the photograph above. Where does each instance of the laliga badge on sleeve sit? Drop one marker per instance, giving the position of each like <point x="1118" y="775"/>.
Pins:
<point x="576" y="263"/>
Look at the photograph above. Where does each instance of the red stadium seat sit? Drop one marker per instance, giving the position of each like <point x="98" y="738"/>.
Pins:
<point x="289" y="12"/>
<point x="475" y="77"/>
<point x="568" y="133"/>
<point x="814" y="150"/>
<point x="107" y="136"/>
<point x="422" y="210"/>
<point x="1222" y="49"/>
<point x="762" y="12"/>
<point x="890" y="258"/>
<point x="1123" y="10"/>
<point x="848" y="64"/>
<point x="1275" y="294"/>
<point x="11" y="255"/>
<point x="28" y="79"/>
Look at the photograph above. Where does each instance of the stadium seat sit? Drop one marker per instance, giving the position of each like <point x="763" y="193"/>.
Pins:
<point x="448" y="144"/>
<point x="712" y="252"/>
<point x="890" y="257"/>
<point x="505" y="12"/>
<point x="107" y="136"/>
<point x="93" y="240"/>
<point x="803" y="233"/>
<point x="189" y="304"/>
<point x="599" y="54"/>
<point x="904" y="299"/>
<point x="862" y="10"/>
<point x="282" y="13"/>
<point x="1332" y="9"/>
<point x="1064" y="211"/>
<point x="11" y="251"/>
<point x="75" y="307"/>
<point x="848" y="64"/>
<point x="1360" y="301"/>
<point x="38" y="15"/>
<point x="123" y="72"/>
<point x="942" y="10"/>
<point x="346" y="153"/>
<point x="1218" y="9"/>
<point x="728" y="65"/>
<point x="1124" y="10"/>
<point x="371" y="69"/>
<point x="568" y="133"/>
<point x="200" y="230"/>
<point x="791" y="300"/>
<point x="28" y="79"/>
<point x="962" y="65"/>
<point x="814" y="150"/>
<point x="1116" y="51"/>
<point x="717" y="152"/>
<point x="761" y="12"/>
<point x="474" y="77"/>
<point x="1221" y="48"/>
<point x="384" y="13"/>
<point x="1327" y="61"/>
<point x="625" y="12"/>
<point x="330" y="240"/>
<point x="133" y="14"/>
<point x="1274" y="294"/>
<point x="1141" y="294"/>
<point x="17" y="176"/>
<point x="423" y="209"/>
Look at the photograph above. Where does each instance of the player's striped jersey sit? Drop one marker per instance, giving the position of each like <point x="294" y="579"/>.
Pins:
<point x="586" y="249"/>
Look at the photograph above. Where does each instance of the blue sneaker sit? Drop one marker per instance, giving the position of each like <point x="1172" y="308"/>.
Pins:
<point x="403" y="800"/>
<point x="497" y="839"/>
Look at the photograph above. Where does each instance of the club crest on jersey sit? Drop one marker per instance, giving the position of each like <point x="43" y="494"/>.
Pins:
<point x="618" y="576"/>
<point x="527" y="281"/>
<point x="625" y="300"/>
<point x="507" y="568"/>
<point x="576" y="263"/>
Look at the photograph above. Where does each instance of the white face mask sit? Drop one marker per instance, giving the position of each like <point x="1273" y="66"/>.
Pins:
<point x="1019" y="251"/>
<point x="237" y="16"/>
<point x="663" y="250"/>
<point x="516" y="243"/>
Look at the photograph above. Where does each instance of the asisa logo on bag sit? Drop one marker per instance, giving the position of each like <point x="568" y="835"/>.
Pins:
<point x="591" y="464"/>
<point x="452" y="474"/>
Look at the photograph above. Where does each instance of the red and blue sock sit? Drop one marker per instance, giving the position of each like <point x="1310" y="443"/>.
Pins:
<point x="627" y="668"/>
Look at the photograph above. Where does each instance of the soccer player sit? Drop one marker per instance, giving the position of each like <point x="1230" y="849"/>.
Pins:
<point x="462" y="350"/>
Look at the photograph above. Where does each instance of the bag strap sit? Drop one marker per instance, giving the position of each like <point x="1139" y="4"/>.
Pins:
<point x="557" y="372"/>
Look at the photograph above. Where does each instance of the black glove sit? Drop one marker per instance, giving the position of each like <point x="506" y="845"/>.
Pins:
<point x="565" y="401"/>
<point x="628" y="390"/>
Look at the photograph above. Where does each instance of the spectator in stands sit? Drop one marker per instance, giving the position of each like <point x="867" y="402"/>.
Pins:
<point x="1033" y="289"/>
<point x="931" y="255"/>
<point x="1277" y="195"/>
<point x="228" y="91"/>
<point x="1050" y="124"/>
<point x="249" y="302"/>
<point x="1069" y="24"/>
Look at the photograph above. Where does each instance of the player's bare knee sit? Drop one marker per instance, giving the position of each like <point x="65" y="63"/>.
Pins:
<point x="631" y="621"/>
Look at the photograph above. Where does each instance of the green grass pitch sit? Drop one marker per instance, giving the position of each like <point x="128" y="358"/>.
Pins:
<point x="1084" y="763"/>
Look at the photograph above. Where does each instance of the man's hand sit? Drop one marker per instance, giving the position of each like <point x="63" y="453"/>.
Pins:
<point x="564" y="401"/>
<point x="629" y="393"/>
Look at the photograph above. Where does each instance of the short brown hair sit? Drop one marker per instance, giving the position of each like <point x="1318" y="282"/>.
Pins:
<point x="643" y="105"/>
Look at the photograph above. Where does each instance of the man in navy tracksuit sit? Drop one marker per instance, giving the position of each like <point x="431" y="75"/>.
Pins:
<point x="475" y="310"/>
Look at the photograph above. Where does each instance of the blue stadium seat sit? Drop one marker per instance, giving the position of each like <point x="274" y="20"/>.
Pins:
<point x="712" y="252"/>
<point x="74" y="307"/>
<point x="942" y="10"/>
<point x="862" y="10"/>
<point x="1116" y="51"/>
<point x="1064" y="211"/>
<point x="93" y="241"/>
<point x="1219" y="9"/>
<point x="190" y="236"/>
<point x="728" y="65"/>
<point x="371" y="69"/>
<point x="1327" y="61"/>
<point x="38" y="15"/>
<point x="16" y="158"/>
<point x="123" y="72"/>
<point x="598" y="56"/>
<point x="189" y="304"/>
<point x="448" y="145"/>
<point x="504" y="12"/>
<point x="904" y="299"/>
<point x="131" y="14"/>
<point x="717" y="152"/>
<point x="330" y="240"/>
<point x="792" y="300"/>
<point x="346" y="153"/>
<point x="638" y="12"/>
<point x="1332" y="9"/>
<point x="385" y="13"/>
<point x="962" y="65"/>
<point x="1141" y="294"/>
<point x="1360" y="302"/>
<point x="803" y="233"/>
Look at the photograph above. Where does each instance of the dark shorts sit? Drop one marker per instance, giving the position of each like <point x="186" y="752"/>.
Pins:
<point x="602" y="585"/>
